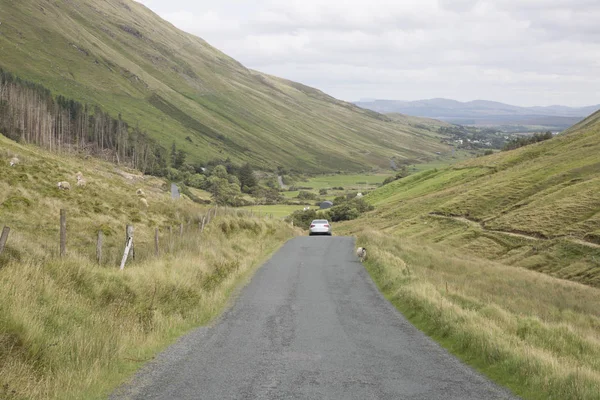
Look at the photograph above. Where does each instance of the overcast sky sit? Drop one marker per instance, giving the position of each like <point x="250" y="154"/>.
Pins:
<point x="522" y="52"/>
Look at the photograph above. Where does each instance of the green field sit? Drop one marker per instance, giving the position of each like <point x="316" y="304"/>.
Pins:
<point x="348" y="182"/>
<point x="278" y="210"/>
<point x="290" y="194"/>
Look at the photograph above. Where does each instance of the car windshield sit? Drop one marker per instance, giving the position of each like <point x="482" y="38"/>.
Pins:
<point x="320" y="221"/>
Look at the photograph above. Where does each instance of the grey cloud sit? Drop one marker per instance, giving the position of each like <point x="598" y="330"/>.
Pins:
<point x="483" y="49"/>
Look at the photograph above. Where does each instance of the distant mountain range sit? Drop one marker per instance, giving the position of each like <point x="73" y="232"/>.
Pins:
<point x="483" y="112"/>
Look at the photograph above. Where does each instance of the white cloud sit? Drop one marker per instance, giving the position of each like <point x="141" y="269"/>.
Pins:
<point x="523" y="52"/>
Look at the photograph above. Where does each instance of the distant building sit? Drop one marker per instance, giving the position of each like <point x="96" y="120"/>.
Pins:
<point x="326" y="204"/>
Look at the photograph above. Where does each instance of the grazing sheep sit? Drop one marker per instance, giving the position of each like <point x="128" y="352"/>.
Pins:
<point x="140" y="192"/>
<point x="14" y="161"/>
<point x="80" y="180"/>
<point x="359" y="195"/>
<point x="361" y="253"/>
<point x="144" y="201"/>
<point x="64" y="185"/>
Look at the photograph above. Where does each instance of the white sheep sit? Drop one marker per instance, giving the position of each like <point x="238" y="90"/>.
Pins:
<point x="306" y="209"/>
<point x="80" y="180"/>
<point x="14" y="161"/>
<point x="64" y="185"/>
<point x="144" y="202"/>
<point x="359" y="195"/>
<point x="140" y="192"/>
<point x="361" y="253"/>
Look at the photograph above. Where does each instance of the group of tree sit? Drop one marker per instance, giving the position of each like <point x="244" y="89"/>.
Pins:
<point x="224" y="179"/>
<point x="29" y="113"/>
<point x="346" y="208"/>
<point x="527" y="140"/>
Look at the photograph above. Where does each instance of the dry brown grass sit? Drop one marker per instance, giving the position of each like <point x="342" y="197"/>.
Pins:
<point x="73" y="329"/>
<point x="534" y="333"/>
<point x="70" y="329"/>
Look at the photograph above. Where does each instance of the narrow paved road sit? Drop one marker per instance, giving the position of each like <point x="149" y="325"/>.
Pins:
<point x="310" y="325"/>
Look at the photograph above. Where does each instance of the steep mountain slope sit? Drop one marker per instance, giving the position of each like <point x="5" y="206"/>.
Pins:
<point x="483" y="112"/>
<point x="119" y="55"/>
<point x="536" y="207"/>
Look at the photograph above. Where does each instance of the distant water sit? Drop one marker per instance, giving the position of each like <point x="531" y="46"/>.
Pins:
<point x="174" y="191"/>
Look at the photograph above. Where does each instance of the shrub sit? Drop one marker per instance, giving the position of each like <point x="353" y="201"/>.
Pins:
<point x="303" y="218"/>
<point x="403" y="173"/>
<point x="349" y="210"/>
<point x="304" y="195"/>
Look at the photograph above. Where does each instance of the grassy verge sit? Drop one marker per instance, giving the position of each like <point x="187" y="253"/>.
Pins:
<point x="537" y="335"/>
<point x="70" y="329"/>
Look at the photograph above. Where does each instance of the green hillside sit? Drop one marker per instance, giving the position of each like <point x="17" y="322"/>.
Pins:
<point x="536" y="207"/>
<point x="498" y="260"/>
<point x="120" y="56"/>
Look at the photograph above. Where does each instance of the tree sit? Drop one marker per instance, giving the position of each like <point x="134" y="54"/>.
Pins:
<point x="219" y="171"/>
<point x="179" y="159"/>
<point x="224" y="192"/>
<point x="247" y="178"/>
<point x="173" y="154"/>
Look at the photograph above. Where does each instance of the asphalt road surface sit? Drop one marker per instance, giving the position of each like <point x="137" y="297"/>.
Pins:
<point x="310" y="325"/>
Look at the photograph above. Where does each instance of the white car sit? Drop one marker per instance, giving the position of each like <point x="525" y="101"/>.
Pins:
<point x="320" y="227"/>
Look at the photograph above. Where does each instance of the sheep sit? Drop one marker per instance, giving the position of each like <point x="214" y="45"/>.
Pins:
<point x="144" y="202"/>
<point x="80" y="180"/>
<point x="306" y="209"/>
<point x="359" y="195"/>
<point x="64" y="185"/>
<point x="361" y="253"/>
<point x="14" y="161"/>
<point x="140" y="192"/>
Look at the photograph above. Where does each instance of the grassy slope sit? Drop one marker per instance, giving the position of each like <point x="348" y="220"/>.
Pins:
<point x="537" y="335"/>
<point x="121" y="56"/>
<point x="468" y="275"/>
<point x="536" y="207"/>
<point x="71" y="329"/>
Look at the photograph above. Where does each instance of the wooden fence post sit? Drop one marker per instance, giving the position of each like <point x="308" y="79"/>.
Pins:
<point x="99" y="247"/>
<point x="181" y="229"/>
<point x="129" y="234"/>
<point x="4" y="238"/>
<point x="203" y="222"/>
<point x="156" y="242"/>
<point x="63" y="232"/>
<point x="170" y="239"/>
<point x="128" y="245"/>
